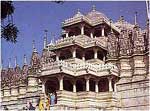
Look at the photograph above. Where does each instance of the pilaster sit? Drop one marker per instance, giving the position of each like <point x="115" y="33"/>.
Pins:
<point x="139" y="68"/>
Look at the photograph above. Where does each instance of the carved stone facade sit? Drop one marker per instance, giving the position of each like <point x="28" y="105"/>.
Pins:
<point x="96" y="65"/>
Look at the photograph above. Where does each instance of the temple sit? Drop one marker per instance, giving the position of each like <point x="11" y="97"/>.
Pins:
<point x="97" y="64"/>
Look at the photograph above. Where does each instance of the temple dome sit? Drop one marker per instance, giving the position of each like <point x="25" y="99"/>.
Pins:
<point x="95" y="15"/>
<point x="78" y="14"/>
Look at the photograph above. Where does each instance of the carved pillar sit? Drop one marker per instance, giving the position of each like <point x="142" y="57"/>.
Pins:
<point x="87" y="78"/>
<point x="96" y="86"/>
<point x="60" y="78"/>
<point x="110" y="84"/>
<point x="74" y="86"/>
<point x="83" y="56"/>
<point x="57" y="56"/>
<point x="91" y="34"/>
<point x="73" y="50"/>
<point x="82" y="29"/>
<point x="95" y="53"/>
<point x="103" y="31"/>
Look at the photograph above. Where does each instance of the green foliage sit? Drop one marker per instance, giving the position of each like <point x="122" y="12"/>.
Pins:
<point x="9" y="31"/>
<point x="7" y="8"/>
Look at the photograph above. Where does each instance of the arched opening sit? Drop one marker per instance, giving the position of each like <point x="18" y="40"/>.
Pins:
<point x="80" y="85"/>
<point x="65" y="54"/>
<point x="74" y="31"/>
<point x="100" y="55"/>
<point x="51" y="85"/>
<point x="67" y="85"/>
<point x="87" y="31"/>
<point x="92" y="85"/>
<point x="79" y="53"/>
<point x="103" y="85"/>
<point x="89" y="54"/>
<point x="97" y="33"/>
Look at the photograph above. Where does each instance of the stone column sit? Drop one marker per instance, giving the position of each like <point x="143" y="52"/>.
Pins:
<point x="83" y="56"/>
<point x="60" y="78"/>
<point x="82" y="29"/>
<point x="73" y="50"/>
<point x="96" y="85"/>
<point x="103" y="31"/>
<point x="91" y="34"/>
<point x="87" y="78"/>
<point x="110" y="84"/>
<point x="74" y="86"/>
<point x="67" y="34"/>
<point x="95" y="53"/>
<point x="57" y="56"/>
<point x="104" y="58"/>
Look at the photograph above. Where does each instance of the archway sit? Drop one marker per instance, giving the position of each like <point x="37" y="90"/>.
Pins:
<point x="51" y="85"/>
<point x="103" y="85"/>
<point x="68" y="85"/>
<point x="92" y="85"/>
<point x="80" y="85"/>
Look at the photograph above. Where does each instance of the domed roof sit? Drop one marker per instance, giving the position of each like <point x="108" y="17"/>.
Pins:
<point x="95" y="15"/>
<point x="78" y="14"/>
<point x="121" y="24"/>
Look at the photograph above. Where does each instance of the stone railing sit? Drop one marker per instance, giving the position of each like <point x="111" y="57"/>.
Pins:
<point x="76" y="68"/>
<point x="75" y="20"/>
<point x="81" y="40"/>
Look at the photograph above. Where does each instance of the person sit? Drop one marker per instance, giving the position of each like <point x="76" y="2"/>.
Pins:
<point x="55" y="97"/>
<point x="41" y="105"/>
<point x="47" y="103"/>
<point x="31" y="106"/>
<point x="52" y="99"/>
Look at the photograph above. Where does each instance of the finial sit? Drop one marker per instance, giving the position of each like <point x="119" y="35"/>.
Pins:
<point x="25" y="60"/>
<point x="93" y="8"/>
<point x="33" y="46"/>
<point x="121" y="19"/>
<point x="110" y="26"/>
<point x="78" y="11"/>
<point x="45" y="38"/>
<point x="9" y="63"/>
<point x="15" y="61"/>
<point x="135" y="18"/>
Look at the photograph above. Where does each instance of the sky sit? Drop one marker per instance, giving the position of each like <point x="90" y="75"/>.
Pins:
<point x="32" y="18"/>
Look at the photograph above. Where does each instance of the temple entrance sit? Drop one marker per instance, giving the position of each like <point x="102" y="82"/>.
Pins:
<point x="51" y="85"/>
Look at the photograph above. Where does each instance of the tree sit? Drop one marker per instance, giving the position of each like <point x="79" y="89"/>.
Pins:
<point x="8" y="29"/>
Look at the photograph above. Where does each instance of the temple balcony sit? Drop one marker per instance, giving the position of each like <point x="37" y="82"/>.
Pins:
<point x="84" y="99"/>
<point x="95" y="61"/>
<point x="80" y="40"/>
<point x="74" y="60"/>
<point x="78" y="69"/>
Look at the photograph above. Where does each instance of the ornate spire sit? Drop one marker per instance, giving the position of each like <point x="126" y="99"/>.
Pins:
<point x="33" y="46"/>
<point x="110" y="25"/>
<point x="93" y="8"/>
<point x="25" y="60"/>
<point x="78" y="11"/>
<point x="135" y="18"/>
<point x="15" y="61"/>
<point x="121" y="19"/>
<point x="45" y="38"/>
<point x="9" y="63"/>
